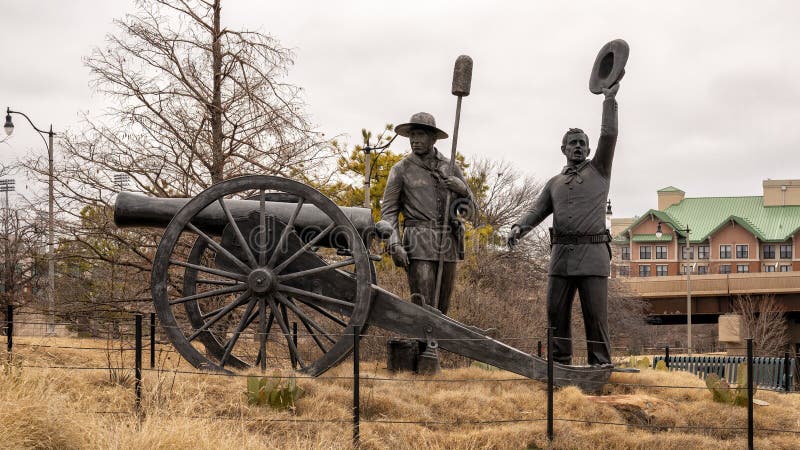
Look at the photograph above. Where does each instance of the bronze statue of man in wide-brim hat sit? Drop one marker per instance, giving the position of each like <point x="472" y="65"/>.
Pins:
<point x="417" y="187"/>
<point x="580" y="243"/>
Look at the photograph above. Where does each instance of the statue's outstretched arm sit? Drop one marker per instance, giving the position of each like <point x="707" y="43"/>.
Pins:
<point x="604" y="156"/>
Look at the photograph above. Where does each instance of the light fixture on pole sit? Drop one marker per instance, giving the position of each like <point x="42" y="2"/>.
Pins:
<point x="689" y="269"/>
<point x="368" y="163"/>
<point x="51" y="280"/>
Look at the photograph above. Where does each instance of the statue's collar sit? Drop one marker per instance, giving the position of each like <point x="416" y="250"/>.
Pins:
<point x="577" y="168"/>
<point x="413" y="156"/>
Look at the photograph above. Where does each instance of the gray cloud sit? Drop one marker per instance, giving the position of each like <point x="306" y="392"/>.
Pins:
<point x="709" y="102"/>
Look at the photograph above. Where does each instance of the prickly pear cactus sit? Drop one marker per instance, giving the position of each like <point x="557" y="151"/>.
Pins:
<point x="272" y="391"/>
<point x="662" y="366"/>
<point x="643" y="363"/>
<point x="740" y="396"/>
<point x="720" y="390"/>
<point x="724" y="393"/>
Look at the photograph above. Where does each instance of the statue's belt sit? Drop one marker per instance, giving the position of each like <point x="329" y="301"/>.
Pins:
<point x="602" y="238"/>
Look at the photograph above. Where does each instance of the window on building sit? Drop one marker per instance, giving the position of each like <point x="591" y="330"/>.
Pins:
<point x="786" y="251"/>
<point x="644" y="252"/>
<point x="644" y="271"/>
<point x="725" y="252"/>
<point x="702" y="270"/>
<point x="626" y="253"/>
<point x="742" y="268"/>
<point x="769" y="251"/>
<point x="702" y="252"/>
<point x="742" y="251"/>
<point x="786" y="268"/>
<point x="769" y="268"/>
<point x="687" y="253"/>
<point x="661" y="252"/>
<point x="724" y="268"/>
<point x="624" y="271"/>
<point x="661" y="270"/>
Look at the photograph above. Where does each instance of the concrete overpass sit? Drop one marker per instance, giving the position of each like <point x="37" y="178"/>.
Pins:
<point x="713" y="295"/>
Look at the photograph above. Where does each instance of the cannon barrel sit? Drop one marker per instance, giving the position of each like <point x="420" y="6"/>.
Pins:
<point x="135" y="210"/>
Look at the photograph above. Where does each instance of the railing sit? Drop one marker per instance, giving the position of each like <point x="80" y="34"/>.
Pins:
<point x="768" y="373"/>
<point x="707" y="285"/>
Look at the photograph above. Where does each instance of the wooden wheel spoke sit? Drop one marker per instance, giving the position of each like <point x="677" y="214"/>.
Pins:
<point x="211" y="313"/>
<point x="316" y="270"/>
<point x="238" y="232"/>
<point x="304" y="248"/>
<point x="315" y="338"/>
<point x="211" y="270"/>
<point x="282" y="323"/>
<point x="285" y="234"/>
<point x="242" y="325"/>
<point x="307" y="321"/>
<point x="238" y="302"/>
<point x="218" y="282"/>
<point x="330" y="316"/>
<point x="322" y="298"/>
<point x="262" y="338"/>
<point x="262" y="224"/>
<point x="219" y="248"/>
<point x="269" y="327"/>
<point x="227" y="290"/>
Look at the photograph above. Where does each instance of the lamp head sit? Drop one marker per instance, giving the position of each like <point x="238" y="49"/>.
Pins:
<point x="659" y="233"/>
<point x="9" y="126"/>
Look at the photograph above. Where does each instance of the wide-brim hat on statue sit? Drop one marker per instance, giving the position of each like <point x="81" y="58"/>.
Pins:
<point x="420" y="120"/>
<point x="609" y="66"/>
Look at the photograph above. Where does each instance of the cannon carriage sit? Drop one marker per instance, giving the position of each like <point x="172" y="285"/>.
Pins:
<point x="248" y="253"/>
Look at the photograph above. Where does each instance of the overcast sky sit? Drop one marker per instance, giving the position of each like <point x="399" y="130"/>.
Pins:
<point x="710" y="102"/>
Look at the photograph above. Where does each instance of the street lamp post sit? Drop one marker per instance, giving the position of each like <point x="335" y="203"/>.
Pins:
<point x="51" y="280"/>
<point x="6" y="186"/>
<point x="689" y="269"/>
<point x="368" y="166"/>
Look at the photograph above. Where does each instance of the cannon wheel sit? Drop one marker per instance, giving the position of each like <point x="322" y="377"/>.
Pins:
<point x="272" y="275"/>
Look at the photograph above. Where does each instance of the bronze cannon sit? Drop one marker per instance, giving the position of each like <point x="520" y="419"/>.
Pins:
<point x="247" y="253"/>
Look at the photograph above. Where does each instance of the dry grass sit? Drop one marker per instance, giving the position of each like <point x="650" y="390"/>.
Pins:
<point x="64" y="409"/>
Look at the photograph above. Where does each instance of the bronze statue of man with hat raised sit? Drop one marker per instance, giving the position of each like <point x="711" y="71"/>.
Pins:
<point x="576" y="197"/>
<point x="417" y="187"/>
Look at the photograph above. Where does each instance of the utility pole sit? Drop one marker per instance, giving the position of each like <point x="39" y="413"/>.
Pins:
<point x="6" y="186"/>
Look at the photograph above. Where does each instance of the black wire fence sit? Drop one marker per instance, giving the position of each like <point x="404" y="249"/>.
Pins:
<point x="701" y="367"/>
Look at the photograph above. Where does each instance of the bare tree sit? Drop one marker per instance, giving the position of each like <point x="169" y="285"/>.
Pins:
<point x="502" y="193"/>
<point x="764" y="320"/>
<point x="192" y="103"/>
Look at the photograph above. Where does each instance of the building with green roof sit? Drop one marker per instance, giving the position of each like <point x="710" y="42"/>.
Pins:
<point x="713" y="234"/>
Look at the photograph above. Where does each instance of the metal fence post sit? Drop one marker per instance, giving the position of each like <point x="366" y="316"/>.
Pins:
<point x="549" y="384"/>
<point x="787" y="372"/>
<point x="750" y="393"/>
<point x="666" y="356"/>
<point x="152" y="340"/>
<point x="356" y="387"/>
<point x="539" y="347"/>
<point x="10" y="328"/>
<point x="138" y="364"/>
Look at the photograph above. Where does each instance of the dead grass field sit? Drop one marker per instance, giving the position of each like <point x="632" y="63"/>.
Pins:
<point x="81" y="409"/>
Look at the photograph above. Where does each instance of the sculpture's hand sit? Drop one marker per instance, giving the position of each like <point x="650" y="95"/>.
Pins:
<point x="611" y="92"/>
<point x="399" y="255"/>
<point x="456" y="185"/>
<point x="513" y="236"/>
<point x="384" y="229"/>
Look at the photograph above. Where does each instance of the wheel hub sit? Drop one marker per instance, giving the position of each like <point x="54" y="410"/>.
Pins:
<point x="262" y="280"/>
